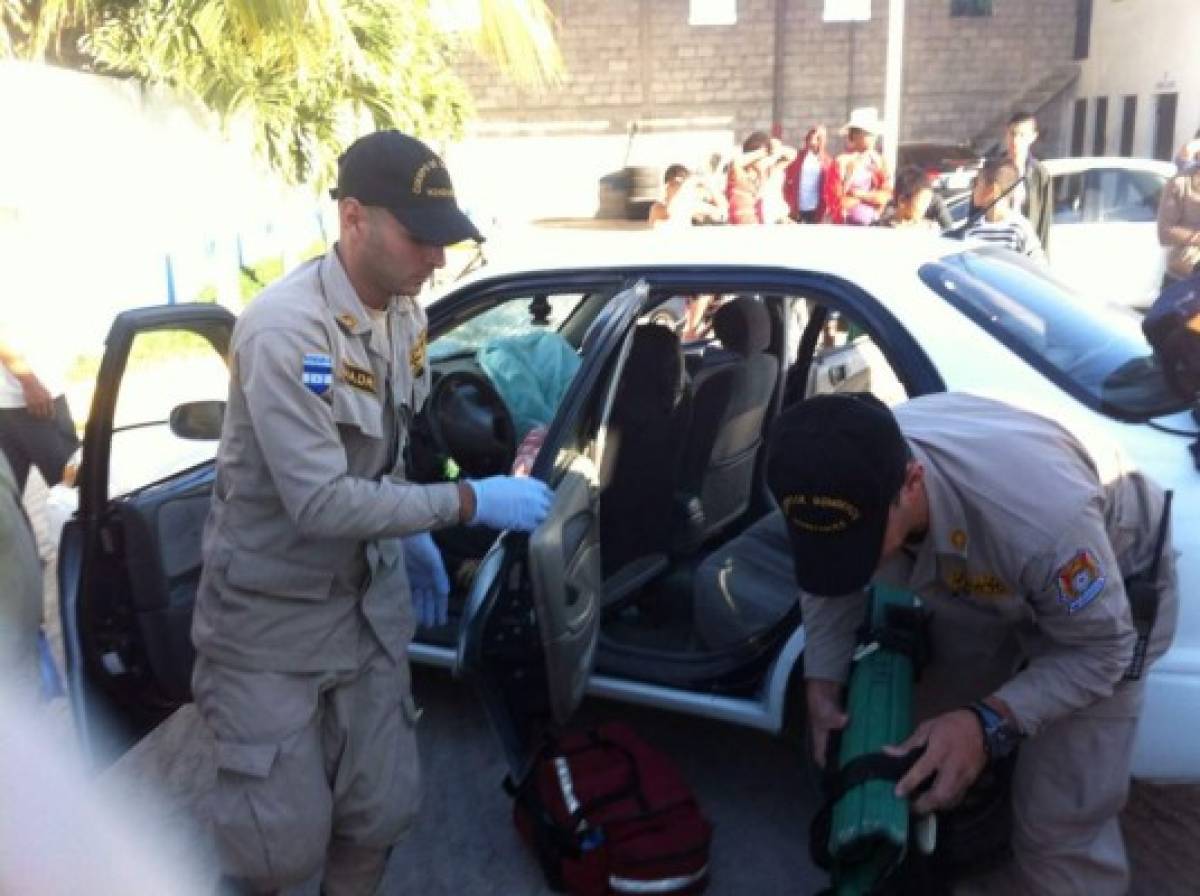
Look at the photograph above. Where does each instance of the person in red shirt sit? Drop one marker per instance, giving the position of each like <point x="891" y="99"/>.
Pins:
<point x="808" y="179"/>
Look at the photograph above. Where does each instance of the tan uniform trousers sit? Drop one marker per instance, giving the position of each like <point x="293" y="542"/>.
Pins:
<point x="1071" y="779"/>
<point x="311" y="768"/>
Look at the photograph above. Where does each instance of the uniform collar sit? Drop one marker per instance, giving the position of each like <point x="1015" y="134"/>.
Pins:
<point x="947" y="524"/>
<point x="344" y="304"/>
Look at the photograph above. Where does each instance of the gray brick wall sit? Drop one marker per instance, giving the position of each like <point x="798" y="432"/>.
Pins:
<point x="631" y="59"/>
<point x="640" y="61"/>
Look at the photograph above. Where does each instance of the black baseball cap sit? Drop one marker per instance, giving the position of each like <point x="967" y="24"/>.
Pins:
<point x="400" y="173"/>
<point x="835" y="464"/>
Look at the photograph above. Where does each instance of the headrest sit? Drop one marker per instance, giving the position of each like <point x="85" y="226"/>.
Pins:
<point x="653" y="380"/>
<point x="743" y="326"/>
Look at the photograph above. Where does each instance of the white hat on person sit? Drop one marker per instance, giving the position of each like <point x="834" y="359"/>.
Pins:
<point x="865" y="118"/>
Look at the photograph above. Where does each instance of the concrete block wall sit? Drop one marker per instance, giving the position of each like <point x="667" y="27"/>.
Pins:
<point x="641" y="61"/>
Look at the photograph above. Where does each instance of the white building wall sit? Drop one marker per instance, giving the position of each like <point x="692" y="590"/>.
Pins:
<point x="1141" y="48"/>
<point x="101" y="181"/>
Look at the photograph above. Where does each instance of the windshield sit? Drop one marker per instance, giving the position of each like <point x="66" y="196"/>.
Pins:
<point x="1097" y="354"/>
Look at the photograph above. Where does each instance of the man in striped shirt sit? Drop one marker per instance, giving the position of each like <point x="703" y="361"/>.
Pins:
<point x="1002" y="223"/>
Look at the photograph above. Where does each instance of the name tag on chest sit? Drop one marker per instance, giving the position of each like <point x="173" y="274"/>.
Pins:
<point x="359" y="378"/>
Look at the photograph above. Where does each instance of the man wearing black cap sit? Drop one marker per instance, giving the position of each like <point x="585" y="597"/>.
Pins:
<point x="1020" y="540"/>
<point x="317" y="551"/>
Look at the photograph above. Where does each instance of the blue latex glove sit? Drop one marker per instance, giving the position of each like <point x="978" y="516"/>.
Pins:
<point x="511" y="502"/>
<point x="427" y="579"/>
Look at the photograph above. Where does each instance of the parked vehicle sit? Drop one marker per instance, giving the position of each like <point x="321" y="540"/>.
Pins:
<point x="951" y="167"/>
<point x="601" y="598"/>
<point x="1103" y="232"/>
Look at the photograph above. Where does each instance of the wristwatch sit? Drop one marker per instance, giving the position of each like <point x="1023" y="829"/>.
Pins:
<point x="1000" y="736"/>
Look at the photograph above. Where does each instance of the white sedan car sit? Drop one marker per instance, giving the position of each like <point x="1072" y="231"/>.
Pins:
<point x="655" y="452"/>
<point x="1103" y="228"/>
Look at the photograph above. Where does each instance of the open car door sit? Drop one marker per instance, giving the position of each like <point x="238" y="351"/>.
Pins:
<point x="532" y="621"/>
<point x="129" y="559"/>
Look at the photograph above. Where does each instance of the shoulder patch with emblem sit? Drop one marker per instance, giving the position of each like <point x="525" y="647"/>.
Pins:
<point x="358" y="377"/>
<point x="1080" y="581"/>
<point x="416" y="355"/>
<point x="318" y="373"/>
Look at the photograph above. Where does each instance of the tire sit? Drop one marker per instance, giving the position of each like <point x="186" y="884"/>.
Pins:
<point x="644" y="182"/>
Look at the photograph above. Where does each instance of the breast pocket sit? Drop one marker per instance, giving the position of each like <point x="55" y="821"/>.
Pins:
<point x="358" y="409"/>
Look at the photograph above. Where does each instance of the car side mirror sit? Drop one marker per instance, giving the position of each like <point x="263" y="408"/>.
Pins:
<point x="198" y="420"/>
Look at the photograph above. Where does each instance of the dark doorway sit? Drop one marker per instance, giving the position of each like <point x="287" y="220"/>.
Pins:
<point x="1077" y="127"/>
<point x="1083" y="28"/>
<point x="1128" y="122"/>
<point x="1100" y="137"/>
<point x="1164" y="125"/>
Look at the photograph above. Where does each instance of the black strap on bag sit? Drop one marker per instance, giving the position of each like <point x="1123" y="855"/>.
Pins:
<point x="836" y="784"/>
<point x="1143" y="592"/>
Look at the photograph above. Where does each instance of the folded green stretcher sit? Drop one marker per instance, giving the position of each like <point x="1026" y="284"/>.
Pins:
<point x="864" y="833"/>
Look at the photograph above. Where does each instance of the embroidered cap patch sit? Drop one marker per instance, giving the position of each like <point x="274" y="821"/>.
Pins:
<point x="318" y="373"/>
<point x="1080" y="580"/>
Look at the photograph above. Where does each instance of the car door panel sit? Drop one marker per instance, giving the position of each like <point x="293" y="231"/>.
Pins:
<point x="130" y="563"/>
<point x="531" y="624"/>
<point x="568" y="585"/>
<point x="162" y="535"/>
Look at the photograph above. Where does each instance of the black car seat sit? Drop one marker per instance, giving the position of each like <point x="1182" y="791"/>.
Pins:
<point x="745" y="587"/>
<point x="637" y="469"/>
<point x="731" y="391"/>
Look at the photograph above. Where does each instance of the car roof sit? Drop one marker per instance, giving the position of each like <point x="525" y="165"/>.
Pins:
<point x="1057" y="167"/>
<point x="848" y="252"/>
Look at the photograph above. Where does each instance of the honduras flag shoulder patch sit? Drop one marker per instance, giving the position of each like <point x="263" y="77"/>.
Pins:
<point x="318" y="373"/>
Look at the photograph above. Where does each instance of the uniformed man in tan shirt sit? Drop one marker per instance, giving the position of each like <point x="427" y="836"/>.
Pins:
<point x="315" y="540"/>
<point x="1019" y="538"/>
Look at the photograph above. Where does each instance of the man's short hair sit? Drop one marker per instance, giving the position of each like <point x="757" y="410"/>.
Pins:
<point x="757" y="140"/>
<point x="999" y="172"/>
<point x="1020" y="117"/>
<point x="674" y="171"/>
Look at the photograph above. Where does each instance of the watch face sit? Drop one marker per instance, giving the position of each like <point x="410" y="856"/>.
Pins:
<point x="1000" y="737"/>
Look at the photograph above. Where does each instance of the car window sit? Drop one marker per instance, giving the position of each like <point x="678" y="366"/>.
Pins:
<point x="1124" y="195"/>
<point x="1068" y="198"/>
<point x="847" y="358"/>
<point x="166" y="368"/>
<point x="512" y="317"/>
<point x="1097" y="354"/>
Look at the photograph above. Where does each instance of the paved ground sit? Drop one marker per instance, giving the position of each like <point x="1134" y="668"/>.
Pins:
<point x="753" y="787"/>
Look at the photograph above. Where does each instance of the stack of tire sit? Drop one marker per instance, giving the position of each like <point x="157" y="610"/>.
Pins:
<point x="627" y="195"/>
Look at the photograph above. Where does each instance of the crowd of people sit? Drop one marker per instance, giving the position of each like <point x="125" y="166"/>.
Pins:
<point x="770" y="182"/>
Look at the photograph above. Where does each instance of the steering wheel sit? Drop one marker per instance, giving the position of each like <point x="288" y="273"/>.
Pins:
<point x="469" y="421"/>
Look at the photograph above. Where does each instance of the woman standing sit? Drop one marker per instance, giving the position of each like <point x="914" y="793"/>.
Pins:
<point x="808" y="179"/>
<point x="755" y="188"/>
<point x="862" y="185"/>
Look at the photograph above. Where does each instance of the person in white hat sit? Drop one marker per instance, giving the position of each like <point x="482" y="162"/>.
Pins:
<point x="862" y="184"/>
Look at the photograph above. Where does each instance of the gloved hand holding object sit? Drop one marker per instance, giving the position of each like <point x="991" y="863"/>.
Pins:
<point x="427" y="580"/>
<point x="510" y="502"/>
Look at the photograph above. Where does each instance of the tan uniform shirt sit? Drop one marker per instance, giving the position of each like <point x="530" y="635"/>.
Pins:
<point x="1179" y="223"/>
<point x="301" y="544"/>
<point x="1031" y="535"/>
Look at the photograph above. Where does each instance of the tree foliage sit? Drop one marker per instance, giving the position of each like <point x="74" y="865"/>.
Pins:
<point x="305" y="76"/>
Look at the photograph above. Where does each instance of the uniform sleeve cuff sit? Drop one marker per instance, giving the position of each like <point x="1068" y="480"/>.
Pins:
<point x="445" y="503"/>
